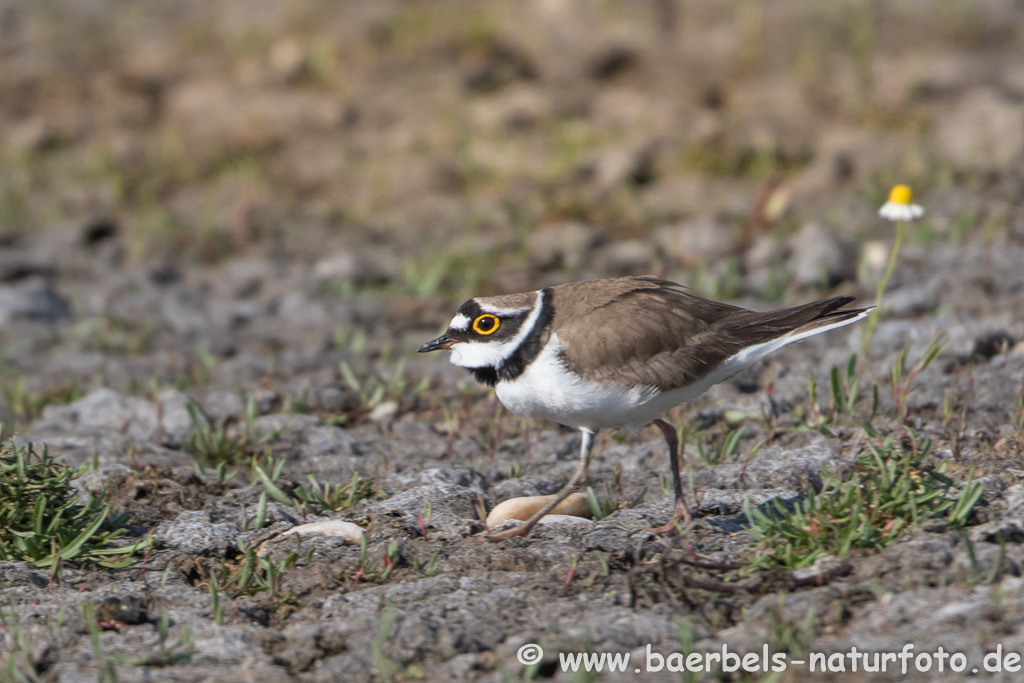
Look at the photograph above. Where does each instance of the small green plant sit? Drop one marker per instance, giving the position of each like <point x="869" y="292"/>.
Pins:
<point x="381" y="664"/>
<point x="336" y="496"/>
<point x="844" y="400"/>
<point x="530" y="672"/>
<point x="516" y="470"/>
<point x="205" y="440"/>
<point x="166" y="655"/>
<point x="238" y="582"/>
<point x="261" y="511"/>
<point x="600" y="508"/>
<point x="180" y="652"/>
<point x="374" y="388"/>
<point x="723" y="451"/>
<point x="902" y="381"/>
<point x="978" y="575"/>
<point x="323" y="496"/>
<point x="19" y="663"/>
<point x="380" y="570"/>
<point x="789" y="637"/>
<point x="254" y="575"/>
<point x="25" y="406"/>
<point x="108" y="335"/>
<point x="720" y="284"/>
<point x="216" y="606"/>
<point x="365" y="566"/>
<point x="431" y="567"/>
<point x="684" y="634"/>
<point x="424" y="519"/>
<point x="1018" y="416"/>
<point x="107" y="670"/>
<point x="271" y="573"/>
<point x="844" y="387"/>
<point x="389" y="559"/>
<point x="260" y="476"/>
<point x="42" y="521"/>
<point x="296" y="404"/>
<point x="570" y="574"/>
<point x="892" y="489"/>
<point x="813" y="419"/>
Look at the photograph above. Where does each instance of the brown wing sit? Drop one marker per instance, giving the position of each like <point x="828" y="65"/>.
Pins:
<point x="647" y="331"/>
<point x="636" y="330"/>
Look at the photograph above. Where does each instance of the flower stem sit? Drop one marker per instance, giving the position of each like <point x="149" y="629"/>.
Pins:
<point x="872" y="323"/>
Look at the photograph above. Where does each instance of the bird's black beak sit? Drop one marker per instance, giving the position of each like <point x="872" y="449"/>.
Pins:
<point x="442" y="342"/>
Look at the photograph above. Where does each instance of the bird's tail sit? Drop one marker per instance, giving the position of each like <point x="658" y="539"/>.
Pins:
<point x="793" y="324"/>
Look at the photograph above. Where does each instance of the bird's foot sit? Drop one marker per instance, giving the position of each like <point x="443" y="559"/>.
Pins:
<point x="520" y="530"/>
<point x="681" y="513"/>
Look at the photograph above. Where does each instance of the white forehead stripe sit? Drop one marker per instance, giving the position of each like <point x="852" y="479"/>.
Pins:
<point x="459" y="322"/>
<point x="482" y="354"/>
<point x="498" y="311"/>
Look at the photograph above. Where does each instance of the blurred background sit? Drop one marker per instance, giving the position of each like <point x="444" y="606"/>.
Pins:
<point x="245" y="193"/>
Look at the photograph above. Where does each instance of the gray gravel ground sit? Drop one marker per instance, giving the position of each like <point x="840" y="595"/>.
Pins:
<point x="263" y="211"/>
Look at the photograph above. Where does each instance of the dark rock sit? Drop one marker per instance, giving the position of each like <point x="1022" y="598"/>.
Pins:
<point x="613" y="61"/>
<point x="633" y="165"/>
<point x="992" y="345"/>
<point x="17" y="265"/>
<point x="129" y="610"/>
<point x="164" y="275"/>
<point x="33" y="300"/>
<point x="99" y="230"/>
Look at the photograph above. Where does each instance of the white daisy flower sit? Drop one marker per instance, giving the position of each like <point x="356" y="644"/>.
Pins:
<point x="901" y="206"/>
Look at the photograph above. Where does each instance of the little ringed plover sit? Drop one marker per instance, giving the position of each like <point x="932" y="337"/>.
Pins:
<point x="616" y="353"/>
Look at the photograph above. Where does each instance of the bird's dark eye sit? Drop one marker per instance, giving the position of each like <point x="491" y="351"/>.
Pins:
<point x="486" y="324"/>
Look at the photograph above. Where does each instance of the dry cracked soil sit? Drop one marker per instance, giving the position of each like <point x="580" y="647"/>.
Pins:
<point x="226" y="227"/>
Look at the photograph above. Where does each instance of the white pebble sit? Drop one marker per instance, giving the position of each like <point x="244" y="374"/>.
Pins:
<point x="332" y="527"/>
<point x="522" y="509"/>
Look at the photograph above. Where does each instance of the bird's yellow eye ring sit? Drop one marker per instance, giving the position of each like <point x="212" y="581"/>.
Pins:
<point x="486" y="324"/>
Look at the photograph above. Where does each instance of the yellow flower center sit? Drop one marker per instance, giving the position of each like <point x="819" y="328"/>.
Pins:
<point x="901" y="194"/>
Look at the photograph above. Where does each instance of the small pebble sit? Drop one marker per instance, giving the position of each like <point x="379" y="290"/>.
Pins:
<point x="333" y="527"/>
<point x="569" y="520"/>
<point x="575" y="505"/>
<point x="874" y="256"/>
<point x="384" y="411"/>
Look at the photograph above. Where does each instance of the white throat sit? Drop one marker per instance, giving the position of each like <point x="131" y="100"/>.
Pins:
<point x="473" y="355"/>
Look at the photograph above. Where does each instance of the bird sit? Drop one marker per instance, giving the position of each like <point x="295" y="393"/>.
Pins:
<point x="618" y="353"/>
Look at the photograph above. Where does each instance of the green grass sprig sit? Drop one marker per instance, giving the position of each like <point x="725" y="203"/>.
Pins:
<point x="42" y="520"/>
<point x="891" y="490"/>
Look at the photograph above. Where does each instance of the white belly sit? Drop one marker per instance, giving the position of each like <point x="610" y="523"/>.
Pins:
<point x="547" y="391"/>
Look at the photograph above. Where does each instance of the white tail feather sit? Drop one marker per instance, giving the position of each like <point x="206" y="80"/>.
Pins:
<point x="797" y="335"/>
<point x="751" y="354"/>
